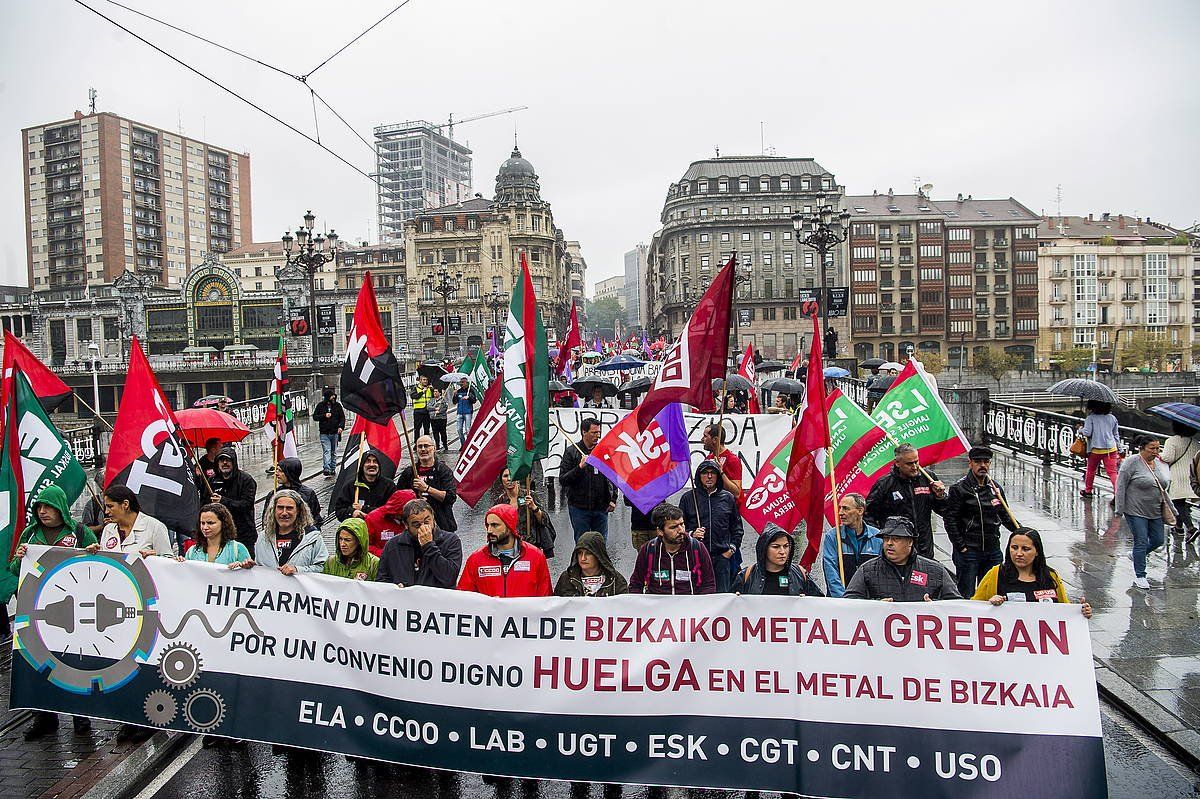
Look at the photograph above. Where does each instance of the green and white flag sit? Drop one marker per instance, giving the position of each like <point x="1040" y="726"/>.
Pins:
<point x="911" y="412"/>
<point x="42" y="458"/>
<point x="526" y="392"/>
<point x="479" y="374"/>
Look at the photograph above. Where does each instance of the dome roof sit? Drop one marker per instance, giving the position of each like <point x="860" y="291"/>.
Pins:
<point x="516" y="166"/>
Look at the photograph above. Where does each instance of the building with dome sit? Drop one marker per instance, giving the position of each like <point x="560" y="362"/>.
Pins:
<point x="478" y="242"/>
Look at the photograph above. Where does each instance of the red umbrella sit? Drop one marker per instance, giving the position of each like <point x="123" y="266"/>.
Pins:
<point x="201" y="424"/>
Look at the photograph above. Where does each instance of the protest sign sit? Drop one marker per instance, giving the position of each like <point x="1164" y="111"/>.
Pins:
<point x="751" y="436"/>
<point x="804" y="695"/>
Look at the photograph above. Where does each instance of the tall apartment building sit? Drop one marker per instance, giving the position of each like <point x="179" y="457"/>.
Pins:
<point x="635" y="278"/>
<point x="742" y="203"/>
<point x="1113" y="275"/>
<point x="418" y="167"/>
<point x="612" y="287"/>
<point x="104" y="194"/>
<point x="944" y="276"/>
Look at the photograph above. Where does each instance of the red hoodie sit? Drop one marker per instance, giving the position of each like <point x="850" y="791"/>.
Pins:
<point x="384" y="522"/>
<point x="526" y="575"/>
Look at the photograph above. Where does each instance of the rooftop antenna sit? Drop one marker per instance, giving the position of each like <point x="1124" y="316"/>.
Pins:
<point x="1058" y="201"/>
<point x="92" y="99"/>
<point x="718" y="149"/>
<point x="917" y="184"/>
<point x="762" y="138"/>
<point x="927" y="190"/>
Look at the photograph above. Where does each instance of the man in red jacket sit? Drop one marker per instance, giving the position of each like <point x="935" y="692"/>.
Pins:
<point x="506" y="566"/>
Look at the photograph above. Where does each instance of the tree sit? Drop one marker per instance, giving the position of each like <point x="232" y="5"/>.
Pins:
<point x="602" y="314"/>
<point x="933" y="362"/>
<point x="996" y="363"/>
<point x="1107" y="241"/>
<point x="1075" y="359"/>
<point x="1145" y="349"/>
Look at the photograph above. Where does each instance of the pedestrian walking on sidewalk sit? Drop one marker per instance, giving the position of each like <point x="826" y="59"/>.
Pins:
<point x="1024" y="575"/>
<point x="1142" y="486"/>
<point x="1180" y="454"/>
<point x="438" y="408"/>
<point x="331" y="421"/>
<point x="1101" y="434"/>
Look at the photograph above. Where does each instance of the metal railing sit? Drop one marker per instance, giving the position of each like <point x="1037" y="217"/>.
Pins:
<point x="1044" y="435"/>
<point x="1127" y="396"/>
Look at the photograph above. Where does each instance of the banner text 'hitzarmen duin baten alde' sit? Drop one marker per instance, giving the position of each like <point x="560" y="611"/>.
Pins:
<point x="819" y="697"/>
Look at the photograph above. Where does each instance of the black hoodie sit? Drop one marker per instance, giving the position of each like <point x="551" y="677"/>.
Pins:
<point x="371" y="495"/>
<point x="717" y="513"/>
<point x="791" y="581"/>
<point x="292" y="468"/>
<point x="237" y="493"/>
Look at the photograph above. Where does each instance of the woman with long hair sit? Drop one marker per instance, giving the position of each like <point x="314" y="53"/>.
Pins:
<point x="218" y="538"/>
<point x="1180" y="453"/>
<point x="1024" y="576"/>
<point x="1102" y="438"/>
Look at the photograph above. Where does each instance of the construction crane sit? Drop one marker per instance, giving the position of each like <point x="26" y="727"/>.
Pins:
<point x="451" y="122"/>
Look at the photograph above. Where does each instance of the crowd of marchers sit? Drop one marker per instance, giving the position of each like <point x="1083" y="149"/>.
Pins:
<point x="403" y="530"/>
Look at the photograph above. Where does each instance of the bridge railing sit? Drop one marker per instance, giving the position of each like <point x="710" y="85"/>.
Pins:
<point x="1044" y="435"/>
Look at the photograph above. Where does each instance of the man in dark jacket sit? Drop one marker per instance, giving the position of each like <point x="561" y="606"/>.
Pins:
<point x="590" y="495"/>
<point x="289" y="477"/>
<point x="711" y="515"/>
<point x="372" y="490"/>
<point x="908" y="491"/>
<point x="433" y="482"/>
<point x="900" y="574"/>
<point x="975" y="511"/>
<point x="421" y="553"/>
<point x="775" y="573"/>
<point x="331" y="421"/>
<point x="236" y="489"/>
<point x="672" y="563"/>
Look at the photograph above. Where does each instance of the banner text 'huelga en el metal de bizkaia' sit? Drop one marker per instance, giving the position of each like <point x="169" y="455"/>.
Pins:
<point x="813" y="696"/>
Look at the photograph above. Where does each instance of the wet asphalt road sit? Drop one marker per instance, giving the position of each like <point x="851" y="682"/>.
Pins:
<point x="1137" y="766"/>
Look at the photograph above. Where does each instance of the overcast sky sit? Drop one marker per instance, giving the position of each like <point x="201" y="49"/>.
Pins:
<point x="990" y="99"/>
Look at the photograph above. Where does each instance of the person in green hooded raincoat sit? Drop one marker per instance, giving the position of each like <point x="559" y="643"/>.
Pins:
<point x="353" y="559"/>
<point x="591" y="572"/>
<point x="53" y="526"/>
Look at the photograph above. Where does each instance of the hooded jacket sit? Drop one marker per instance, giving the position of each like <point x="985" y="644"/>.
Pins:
<point x="488" y="572"/>
<point x="372" y="495"/>
<point x="384" y="523"/>
<point x="292" y="468"/>
<point x="896" y="495"/>
<point x="335" y="421"/>
<point x="364" y="566"/>
<point x="610" y="582"/>
<point x="441" y="477"/>
<point x="974" y="515"/>
<point x="688" y="571"/>
<point x="405" y="562"/>
<point x="73" y="534"/>
<point x="752" y="579"/>
<point x="308" y="556"/>
<point x="856" y="550"/>
<point x="237" y="493"/>
<point x="717" y="512"/>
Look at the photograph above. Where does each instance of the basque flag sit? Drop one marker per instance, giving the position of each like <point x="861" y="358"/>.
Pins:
<point x="371" y="384"/>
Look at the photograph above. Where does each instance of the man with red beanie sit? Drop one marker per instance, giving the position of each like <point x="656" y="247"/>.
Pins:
<point x="506" y="566"/>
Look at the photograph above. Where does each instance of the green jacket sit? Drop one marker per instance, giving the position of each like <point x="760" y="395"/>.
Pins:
<point x="364" y="563"/>
<point x="73" y="534"/>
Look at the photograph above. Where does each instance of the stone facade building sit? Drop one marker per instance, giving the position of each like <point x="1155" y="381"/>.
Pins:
<point x="104" y="194"/>
<point x="743" y="204"/>
<point x="611" y="288"/>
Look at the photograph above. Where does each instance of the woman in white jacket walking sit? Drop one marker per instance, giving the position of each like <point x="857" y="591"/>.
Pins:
<point x="1180" y="453"/>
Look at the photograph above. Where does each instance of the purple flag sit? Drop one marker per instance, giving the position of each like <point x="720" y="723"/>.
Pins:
<point x="648" y="465"/>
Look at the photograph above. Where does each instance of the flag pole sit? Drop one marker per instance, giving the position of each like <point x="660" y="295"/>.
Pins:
<point x="1003" y="501"/>
<point x="567" y="436"/>
<point x="725" y="380"/>
<point x="528" y="511"/>
<point x="95" y="413"/>
<point x="408" y="443"/>
<point x="837" y="517"/>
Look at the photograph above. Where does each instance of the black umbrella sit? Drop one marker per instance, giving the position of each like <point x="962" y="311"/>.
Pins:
<point x="1084" y="389"/>
<point x="433" y="370"/>
<point x="584" y="387"/>
<point x="736" y="383"/>
<point x="784" y="385"/>
<point x="636" y="386"/>
<point x="872" y="363"/>
<point x="558" y="385"/>
<point x="766" y="367"/>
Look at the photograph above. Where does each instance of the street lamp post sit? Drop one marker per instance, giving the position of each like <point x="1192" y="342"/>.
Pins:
<point x="313" y="252"/>
<point x="94" y="356"/>
<point x="496" y="301"/>
<point x="822" y="230"/>
<point x="445" y="284"/>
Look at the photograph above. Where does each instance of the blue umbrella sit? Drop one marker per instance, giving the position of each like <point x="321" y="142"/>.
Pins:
<point x="1182" y="412"/>
<point x="833" y="372"/>
<point x="619" y="363"/>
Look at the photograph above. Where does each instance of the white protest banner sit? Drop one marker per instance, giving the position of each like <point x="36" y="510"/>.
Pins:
<point x="751" y="436"/>
<point x="814" y="696"/>
<point x="649" y="370"/>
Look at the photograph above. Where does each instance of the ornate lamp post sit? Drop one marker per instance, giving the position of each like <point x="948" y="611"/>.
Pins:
<point x="313" y="252"/>
<point x="445" y="284"/>
<point x="496" y="301"/>
<point x="822" y="230"/>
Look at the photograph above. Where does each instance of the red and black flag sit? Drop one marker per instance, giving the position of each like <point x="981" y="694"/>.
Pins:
<point x="371" y="384"/>
<point x="381" y="440"/>
<point x="147" y="451"/>
<point x="49" y="388"/>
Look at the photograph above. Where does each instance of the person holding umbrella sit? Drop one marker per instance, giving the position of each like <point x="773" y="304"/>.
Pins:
<point x="1101" y="435"/>
<point x="597" y="400"/>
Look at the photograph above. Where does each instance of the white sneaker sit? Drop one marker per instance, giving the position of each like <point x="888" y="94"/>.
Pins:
<point x="1140" y="582"/>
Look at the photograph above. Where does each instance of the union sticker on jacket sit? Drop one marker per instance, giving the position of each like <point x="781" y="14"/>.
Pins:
<point x="521" y="566"/>
<point x="919" y="578"/>
<point x="489" y="571"/>
<point x="897" y="495"/>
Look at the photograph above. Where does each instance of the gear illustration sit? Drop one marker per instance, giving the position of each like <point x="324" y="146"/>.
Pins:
<point x="160" y="708"/>
<point x="179" y="665"/>
<point x="204" y="710"/>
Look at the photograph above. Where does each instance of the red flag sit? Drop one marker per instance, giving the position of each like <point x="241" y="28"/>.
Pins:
<point x="371" y="384"/>
<point x="485" y="451"/>
<point x="574" y="339"/>
<point x="147" y="451"/>
<point x="808" y="478"/>
<point x="48" y="387"/>
<point x="746" y="370"/>
<point x="796" y="362"/>
<point x="383" y="440"/>
<point x="699" y="355"/>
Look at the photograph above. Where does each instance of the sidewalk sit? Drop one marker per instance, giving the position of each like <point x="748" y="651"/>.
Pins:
<point x="1146" y="643"/>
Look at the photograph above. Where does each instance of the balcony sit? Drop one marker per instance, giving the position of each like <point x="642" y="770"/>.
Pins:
<point x="999" y="243"/>
<point x="907" y="330"/>
<point x="906" y="259"/>
<point x="887" y="284"/>
<point x="907" y="284"/>
<point x="145" y="154"/>
<point x="60" y="185"/>
<point x="1057" y="299"/>
<point x="1000" y="266"/>
<point x="982" y="290"/>
<point x="904" y="238"/>
<point x="149" y="249"/>
<point x="64" y="168"/>
<point x="1001" y="287"/>
<point x="887" y="330"/>
<point x="145" y="216"/>
<point x="981" y="266"/>
<point x="1129" y="296"/>
<point x="907" y="306"/>
<point x="143" y="186"/>
<point x="982" y="312"/>
<point x="887" y="306"/>
<point x="62" y="135"/>
<point x="147" y="202"/>
<point x="885" y="238"/>
<point x="145" y="139"/>
<point x="981" y="245"/>
<point x="145" y="170"/>
<point x="885" y="259"/>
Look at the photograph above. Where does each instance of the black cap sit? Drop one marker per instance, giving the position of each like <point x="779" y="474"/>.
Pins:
<point x="979" y="454"/>
<point x="898" y="527"/>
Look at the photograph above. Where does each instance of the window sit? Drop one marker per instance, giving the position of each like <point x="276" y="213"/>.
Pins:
<point x="744" y="184"/>
<point x="745" y="209"/>
<point x="745" y="236"/>
<point x="703" y="238"/>
<point x="826" y="184"/>
<point x="722" y="186"/>
<point x="766" y="235"/>
<point x="766" y="209"/>
<point x="448" y="225"/>
<point x="724" y="238"/>
<point x="702" y="187"/>
<point x="930" y="228"/>
<point x="805" y="184"/>
<point x="704" y="261"/>
<point x="767" y="259"/>
<point x="865" y="253"/>
<point x="958" y="234"/>
<point x="83" y="330"/>
<point x="764" y="184"/>
<point x="862" y="229"/>
<point x="864" y="275"/>
<point x="768" y="313"/>
<point x="787" y="259"/>
<point x="703" y="212"/>
<point x="785" y="184"/>
<point x="931" y="250"/>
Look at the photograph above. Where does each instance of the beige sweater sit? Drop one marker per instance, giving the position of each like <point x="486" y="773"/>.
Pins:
<point x="1178" y="453"/>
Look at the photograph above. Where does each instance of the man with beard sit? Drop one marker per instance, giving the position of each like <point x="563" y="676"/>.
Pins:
<point x="236" y="489"/>
<point x="505" y="566"/>
<point x="370" y="491"/>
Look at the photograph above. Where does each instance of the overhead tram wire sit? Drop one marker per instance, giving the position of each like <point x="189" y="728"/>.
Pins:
<point x="272" y="67"/>
<point x="228" y="90"/>
<point x="370" y="28"/>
